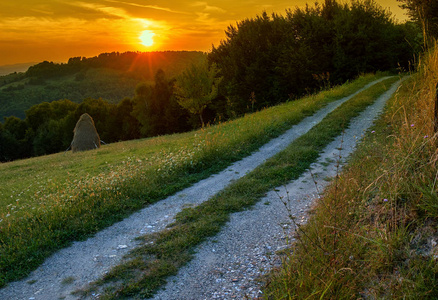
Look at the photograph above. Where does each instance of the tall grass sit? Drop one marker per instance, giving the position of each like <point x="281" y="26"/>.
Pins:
<point x="373" y="234"/>
<point x="48" y="202"/>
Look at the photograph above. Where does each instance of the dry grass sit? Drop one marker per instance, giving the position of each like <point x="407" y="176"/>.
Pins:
<point x="373" y="234"/>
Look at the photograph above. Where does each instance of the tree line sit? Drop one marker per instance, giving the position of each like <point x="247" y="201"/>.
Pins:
<point x="263" y="61"/>
<point x="142" y="65"/>
<point x="268" y="59"/>
<point x="48" y="127"/>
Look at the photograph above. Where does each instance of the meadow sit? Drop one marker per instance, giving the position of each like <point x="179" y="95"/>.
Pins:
<point x="373" y="233"/>
<point x="50" y="201"/>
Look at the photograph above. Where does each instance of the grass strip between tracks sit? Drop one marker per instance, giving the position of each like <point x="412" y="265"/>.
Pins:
<point x="163" y="253"/>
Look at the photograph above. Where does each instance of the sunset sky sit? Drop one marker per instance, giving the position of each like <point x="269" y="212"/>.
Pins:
<point x="55" y="30"/>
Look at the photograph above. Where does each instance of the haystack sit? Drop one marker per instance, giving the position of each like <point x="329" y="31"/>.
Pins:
<point x="85" y="135"/>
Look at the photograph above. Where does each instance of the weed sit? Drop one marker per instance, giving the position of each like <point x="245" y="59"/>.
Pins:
<point x="68" y="280"/>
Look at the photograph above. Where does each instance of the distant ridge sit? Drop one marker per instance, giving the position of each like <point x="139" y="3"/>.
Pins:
<point x="8" y="69"/>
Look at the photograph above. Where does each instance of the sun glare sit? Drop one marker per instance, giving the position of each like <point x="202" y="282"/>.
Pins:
<point x="147" y="38"/>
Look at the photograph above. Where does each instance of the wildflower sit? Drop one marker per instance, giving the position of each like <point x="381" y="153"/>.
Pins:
<point x="412" y="125"/>
<point x="385" y="200"/>
<point x="373" y="131"/>
<point x="426" y="136"/>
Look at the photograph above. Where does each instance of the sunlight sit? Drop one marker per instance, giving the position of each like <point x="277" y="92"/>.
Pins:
<point x="146" y="38"/>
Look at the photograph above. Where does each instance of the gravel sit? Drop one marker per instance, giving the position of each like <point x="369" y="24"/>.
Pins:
<point x="225" y="267"/>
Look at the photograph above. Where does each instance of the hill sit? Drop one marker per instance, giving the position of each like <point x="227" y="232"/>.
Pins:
<point x="110" y="76"/>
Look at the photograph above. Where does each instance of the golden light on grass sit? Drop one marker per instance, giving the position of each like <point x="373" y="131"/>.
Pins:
<point x="147" y="38"/>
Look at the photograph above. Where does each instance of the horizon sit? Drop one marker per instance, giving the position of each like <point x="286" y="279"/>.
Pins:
<point x="57" y="30"/>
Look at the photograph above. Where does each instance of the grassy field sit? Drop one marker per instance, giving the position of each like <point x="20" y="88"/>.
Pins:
<point x="50" y="201"/>
<point x="148" y="266"/>
<point x="374" y="233"/>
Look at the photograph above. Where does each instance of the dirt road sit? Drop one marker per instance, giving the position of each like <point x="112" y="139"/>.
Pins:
<point x="229" y="262"/>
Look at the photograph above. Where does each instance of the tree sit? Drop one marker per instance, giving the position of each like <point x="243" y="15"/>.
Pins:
<point x="124" y="125"/>
<point x="141" y="106"/>
<point x="49" y="138"/>
<point x="14" y="140"/>
<point x="196" y="87"/>
<point x="161" y="95"/>
<point x="156" y="109"/>
<point x="99" y="110"/>
<point x="424" y="12"/>
<point x="247" y="60"/>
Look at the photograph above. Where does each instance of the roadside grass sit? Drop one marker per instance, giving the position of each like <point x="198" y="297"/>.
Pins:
<point x="146" y="268"/>
<point x="48" y="202"/>
<point x="373" y="235"/>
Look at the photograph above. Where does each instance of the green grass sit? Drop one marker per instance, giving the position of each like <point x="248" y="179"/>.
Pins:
<point x="50" y="201"/>
<point x="373" y="234"/>
<point x="163" y="253"/>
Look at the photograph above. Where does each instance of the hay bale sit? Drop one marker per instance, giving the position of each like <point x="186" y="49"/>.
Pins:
<point x="85" y="135"/>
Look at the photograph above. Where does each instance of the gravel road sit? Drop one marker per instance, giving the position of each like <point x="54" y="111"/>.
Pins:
<point x="225" y="267"/>
<point x="229" y="264"/>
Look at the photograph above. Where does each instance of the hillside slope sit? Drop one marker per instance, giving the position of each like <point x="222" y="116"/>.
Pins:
<point x="61" y="198"/>
<point x="90" y="259"/>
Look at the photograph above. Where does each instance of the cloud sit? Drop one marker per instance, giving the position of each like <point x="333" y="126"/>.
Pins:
<point x="208" y="14"/>
<point x="147" y="6"/>
<point x="42" y="11"/>
<point x="106" y="11"/>
<point x="209" y="8"/>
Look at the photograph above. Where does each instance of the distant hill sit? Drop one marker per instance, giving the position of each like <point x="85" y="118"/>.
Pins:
<point x="110" y="76"/>
<point x="8" y="69"/>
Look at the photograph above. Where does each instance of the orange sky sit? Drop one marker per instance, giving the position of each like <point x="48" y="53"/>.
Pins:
<point x="55" y="30"/>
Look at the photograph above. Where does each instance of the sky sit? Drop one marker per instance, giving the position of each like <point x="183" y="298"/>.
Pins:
<point x="55" y="30"/>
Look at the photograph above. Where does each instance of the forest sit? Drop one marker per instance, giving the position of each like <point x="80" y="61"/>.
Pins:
<point x="263" y="61"/>
<point x="111" y="76"/>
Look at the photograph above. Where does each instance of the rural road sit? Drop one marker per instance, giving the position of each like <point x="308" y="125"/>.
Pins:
<point x="228" y="265"/>
<point x="225" y="267"/>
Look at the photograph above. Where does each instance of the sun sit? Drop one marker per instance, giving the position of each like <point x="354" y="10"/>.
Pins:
<point x="147" y="38"/>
